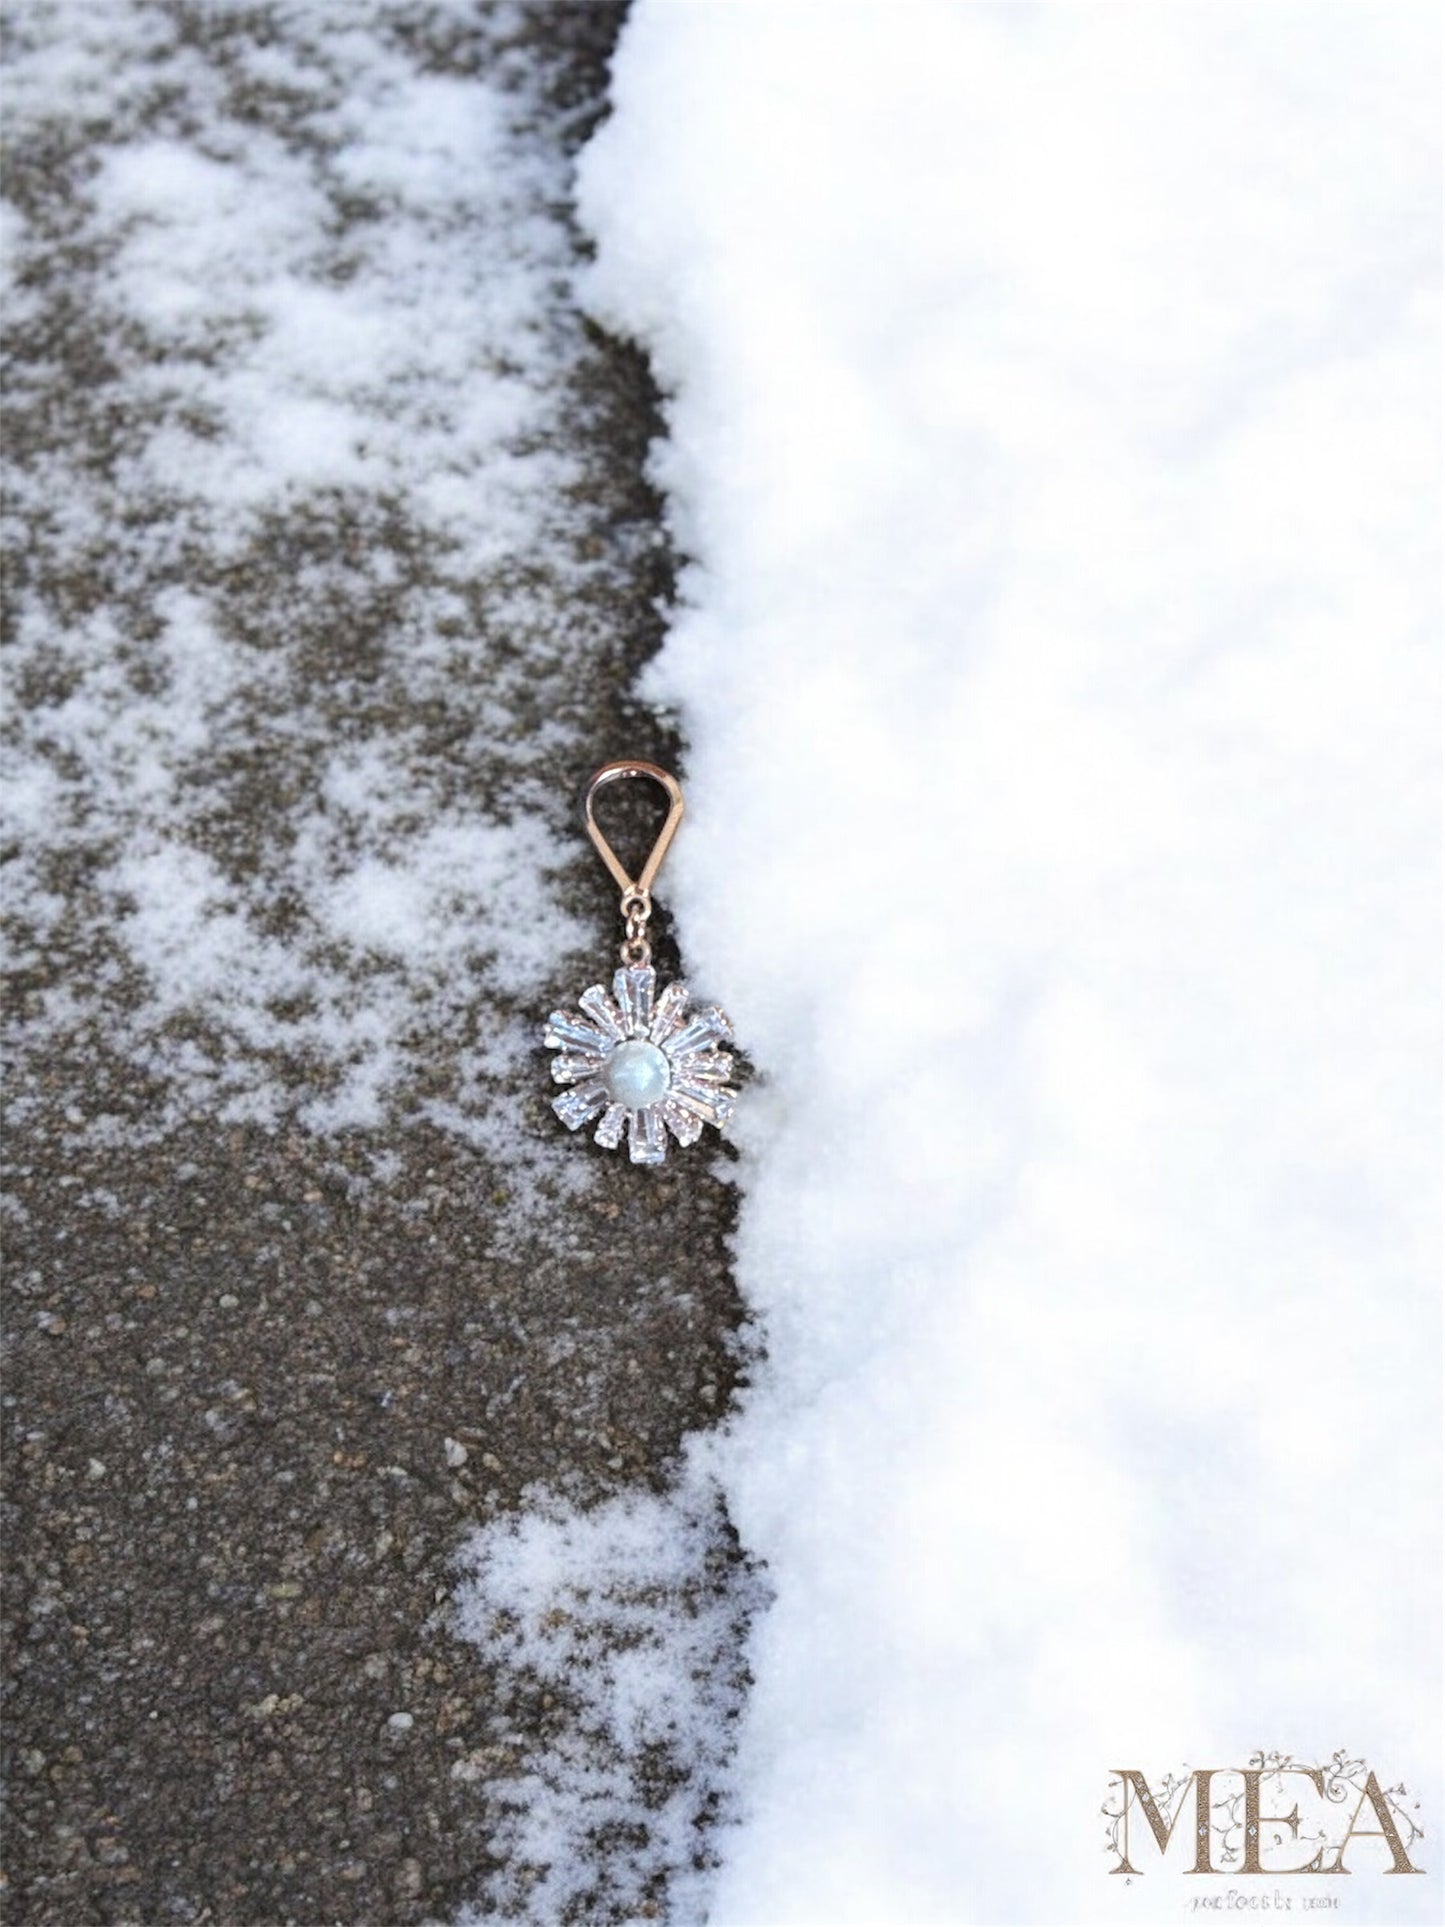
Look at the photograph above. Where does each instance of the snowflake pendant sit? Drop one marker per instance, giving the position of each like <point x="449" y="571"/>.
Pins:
<point x="637" y="1060"/>
<point x="642" y="1062"/>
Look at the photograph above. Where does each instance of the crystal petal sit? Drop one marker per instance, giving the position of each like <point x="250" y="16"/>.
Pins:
<point x="708" y="1102"/>
<point x="572" y="1070"/>
<point x="686" y="1126"/>
<point x="633" y="986"/>
<point x="645" y="1141"/>
<point x="713" y="1065"/>
<point x="670" y="1011"/>
<point x="574" y="1107"/>
<point x="708" y="1026"/>
<point x="609" y="1131"/>
<point x="566" y="1031"/>
<point x="603" y="1012"/>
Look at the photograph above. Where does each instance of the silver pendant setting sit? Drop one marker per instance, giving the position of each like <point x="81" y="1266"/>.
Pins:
<point x="641" y="1061"/>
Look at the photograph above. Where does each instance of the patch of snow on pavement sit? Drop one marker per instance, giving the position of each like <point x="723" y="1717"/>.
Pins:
<point x="1050" y="431"/>
<point x="595" y="1609"/>
<point x="289" y="422"/>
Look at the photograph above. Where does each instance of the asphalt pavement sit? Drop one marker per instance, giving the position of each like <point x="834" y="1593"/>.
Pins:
<point x="253" y="1405"/>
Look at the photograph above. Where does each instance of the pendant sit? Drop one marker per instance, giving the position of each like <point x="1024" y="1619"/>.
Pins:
<point x="639" y="1060"/>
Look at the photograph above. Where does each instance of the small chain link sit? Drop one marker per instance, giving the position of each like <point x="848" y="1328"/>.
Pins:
<point x="636" y="951"/>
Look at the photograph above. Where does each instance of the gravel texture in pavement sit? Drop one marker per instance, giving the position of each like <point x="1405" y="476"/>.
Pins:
<point x="268" y="1360"/>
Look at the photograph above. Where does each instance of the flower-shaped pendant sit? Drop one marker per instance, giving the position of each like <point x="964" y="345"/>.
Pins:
<point x="636" y="1058"/>
<point x="642" y="1062"/>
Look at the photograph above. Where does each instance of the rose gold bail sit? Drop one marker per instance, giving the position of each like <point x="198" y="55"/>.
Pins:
<point x="636" y="891"/>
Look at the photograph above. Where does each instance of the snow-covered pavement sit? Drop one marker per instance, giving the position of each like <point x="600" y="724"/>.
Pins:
<point x="291" y="468"/>
<point x="329" y="563"/>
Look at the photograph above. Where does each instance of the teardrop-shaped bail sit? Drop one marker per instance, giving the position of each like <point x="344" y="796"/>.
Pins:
<point x="641" y="885"/>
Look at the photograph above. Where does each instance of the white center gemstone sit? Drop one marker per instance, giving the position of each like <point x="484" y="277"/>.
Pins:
<point x="636" y="1074"/>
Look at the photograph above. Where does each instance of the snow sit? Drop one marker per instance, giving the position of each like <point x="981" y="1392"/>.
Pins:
<point x="597" y="1609"/>
<point x="295" y="709"/>
<point x="1050" y="435"/>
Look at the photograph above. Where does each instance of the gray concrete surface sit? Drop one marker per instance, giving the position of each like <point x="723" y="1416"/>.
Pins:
<point x="230" y="1509"/>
